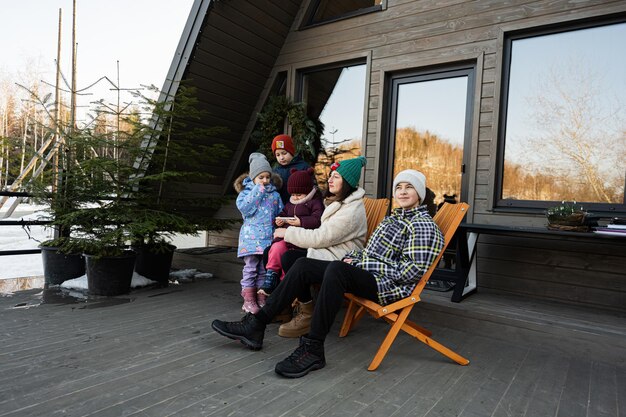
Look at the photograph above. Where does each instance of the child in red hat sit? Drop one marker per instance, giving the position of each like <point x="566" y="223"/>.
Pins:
<point x="285" y="153"/>
<point x="304" y="209"/>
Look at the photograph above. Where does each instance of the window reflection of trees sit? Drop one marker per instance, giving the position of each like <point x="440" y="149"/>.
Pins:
<point x="437" y="158"/>
<point x="566" y="125"/>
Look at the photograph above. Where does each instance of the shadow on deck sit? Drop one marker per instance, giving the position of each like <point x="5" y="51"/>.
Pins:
<point x="153" y="353"/>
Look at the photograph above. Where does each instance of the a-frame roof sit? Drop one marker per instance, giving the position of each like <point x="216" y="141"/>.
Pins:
<point x="227" y="52"/>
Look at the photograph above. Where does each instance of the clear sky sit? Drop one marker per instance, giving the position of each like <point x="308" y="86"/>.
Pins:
<point x="141" y="34"/>
<point x="597" y="54"/>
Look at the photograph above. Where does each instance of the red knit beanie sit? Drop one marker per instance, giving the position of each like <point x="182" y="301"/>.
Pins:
<point x="283" y="142"/>
<point x="300" y="182"/>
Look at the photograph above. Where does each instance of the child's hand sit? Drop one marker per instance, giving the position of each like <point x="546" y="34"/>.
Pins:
<point x="295" y="222"/>
<point x="279" y="233"/>
<point x="279" y="222"/>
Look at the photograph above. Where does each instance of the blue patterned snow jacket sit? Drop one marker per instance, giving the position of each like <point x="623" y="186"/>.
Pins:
<point x="259" y="206"/>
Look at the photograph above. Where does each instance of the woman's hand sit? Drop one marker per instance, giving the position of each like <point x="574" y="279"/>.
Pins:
<point x="347" y="260"/>
<point x="279" y="222"/>
<point x="279" y="233"/>
<point x="295" y="222"/>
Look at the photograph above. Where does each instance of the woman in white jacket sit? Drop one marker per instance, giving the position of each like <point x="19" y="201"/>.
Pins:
<point x="342" y="229"/>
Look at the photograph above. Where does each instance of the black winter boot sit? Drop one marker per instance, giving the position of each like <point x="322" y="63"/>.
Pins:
<point x="249" y="330"/>
<point x="308" y="357"/>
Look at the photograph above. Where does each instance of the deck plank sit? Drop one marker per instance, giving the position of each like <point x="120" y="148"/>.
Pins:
<point x="603" y="394"/>
<point x="575" y="395"/>
<point x="515" y="400"/>
<point x="621" y="391"/>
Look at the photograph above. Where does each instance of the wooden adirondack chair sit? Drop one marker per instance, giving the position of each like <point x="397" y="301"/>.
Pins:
<point x="448" y="219"/>
<point x="375" y="211"/>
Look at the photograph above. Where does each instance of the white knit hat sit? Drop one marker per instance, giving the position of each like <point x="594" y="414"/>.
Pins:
<point x="413" y="177"/>
<point x="258" y="163"/>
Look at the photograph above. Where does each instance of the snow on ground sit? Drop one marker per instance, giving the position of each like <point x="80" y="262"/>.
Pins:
<point x="183" y="275"/>
<point x="80" y="283"/>
<point x="17" y="237"/>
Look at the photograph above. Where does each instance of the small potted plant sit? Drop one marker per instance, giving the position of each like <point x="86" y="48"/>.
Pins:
<point x="567" y="216"/>
<point x="101" y="234"/>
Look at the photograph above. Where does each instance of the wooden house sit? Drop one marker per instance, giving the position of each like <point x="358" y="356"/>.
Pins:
<point x="511" y="106"/>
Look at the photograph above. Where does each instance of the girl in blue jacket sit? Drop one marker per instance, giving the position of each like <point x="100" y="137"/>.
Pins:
<point x="259" y="204"/>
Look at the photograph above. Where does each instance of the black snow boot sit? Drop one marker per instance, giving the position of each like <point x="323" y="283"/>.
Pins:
<point x="249" y="330"/>
<point x="308" y="357"/>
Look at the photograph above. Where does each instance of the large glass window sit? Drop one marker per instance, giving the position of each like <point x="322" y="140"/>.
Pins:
<point x="323" y="11"/>
<point x="429" y="126"/>
<point x="564" y="119"/>
<point x="337" y="96"/>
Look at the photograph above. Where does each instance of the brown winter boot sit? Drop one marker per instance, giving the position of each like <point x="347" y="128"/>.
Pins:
<point x="284" y="316"/>
<point x="301" y="322"/>
<point x="249" y="300"/>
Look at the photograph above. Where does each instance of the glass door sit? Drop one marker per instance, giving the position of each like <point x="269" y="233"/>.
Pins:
<point x="430" y="128"/>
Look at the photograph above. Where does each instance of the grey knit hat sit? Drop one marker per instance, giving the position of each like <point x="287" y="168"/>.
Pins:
<point x="258" y="163"/>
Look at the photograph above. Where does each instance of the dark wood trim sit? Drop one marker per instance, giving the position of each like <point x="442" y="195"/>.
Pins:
<point x="307" y="21"/>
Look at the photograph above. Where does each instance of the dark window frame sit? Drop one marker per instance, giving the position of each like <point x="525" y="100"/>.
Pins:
<point x="308" y="23"/>
<point x="302" y="72"/>
<point x="440" y="72"/>
<point x="538" y="206"/>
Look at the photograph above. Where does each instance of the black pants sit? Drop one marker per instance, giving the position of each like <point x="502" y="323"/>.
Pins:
<point x="288" y="258"/>
<point x="335" y="278"/>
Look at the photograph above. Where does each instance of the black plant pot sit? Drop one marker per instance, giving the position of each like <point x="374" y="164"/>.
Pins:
<point x="110" y="275"/>
<point x="153" y="264"/>
<point x="59" y="267"/>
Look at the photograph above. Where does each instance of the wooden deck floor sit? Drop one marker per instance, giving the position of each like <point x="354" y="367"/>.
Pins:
<point x="153" y="353"/>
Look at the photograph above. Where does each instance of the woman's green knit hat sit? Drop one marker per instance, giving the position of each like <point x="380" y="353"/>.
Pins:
<point x="350" y="169"/>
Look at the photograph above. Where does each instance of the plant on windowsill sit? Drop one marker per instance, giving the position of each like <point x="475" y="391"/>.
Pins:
<point x="567" y="216"/>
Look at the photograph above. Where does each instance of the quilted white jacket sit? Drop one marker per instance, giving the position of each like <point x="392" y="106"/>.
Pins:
<point x="343" y="229"/>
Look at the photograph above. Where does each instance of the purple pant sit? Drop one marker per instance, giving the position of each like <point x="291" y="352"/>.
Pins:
<point x="253" y="271"/>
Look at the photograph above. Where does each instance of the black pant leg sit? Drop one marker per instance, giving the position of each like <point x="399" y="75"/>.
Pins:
<point x="339" y="278"/>
<point x="296" y="284"/>
<point x="266" y="253"/>
<point x="290" y="257"/>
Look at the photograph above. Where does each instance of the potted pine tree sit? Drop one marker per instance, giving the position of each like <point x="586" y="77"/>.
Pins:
<point x="177" y="153"/>
<point x="115" y="198"/>
<point x="57" y="188"/>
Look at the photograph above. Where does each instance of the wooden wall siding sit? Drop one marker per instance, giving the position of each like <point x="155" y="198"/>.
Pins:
<point x="234" y="55"/>
<point x="569" y="271"/>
